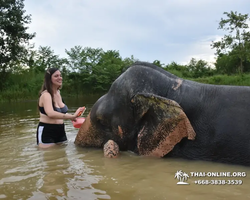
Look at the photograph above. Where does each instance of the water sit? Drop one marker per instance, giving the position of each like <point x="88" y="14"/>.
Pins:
<point x="71" y="172"/>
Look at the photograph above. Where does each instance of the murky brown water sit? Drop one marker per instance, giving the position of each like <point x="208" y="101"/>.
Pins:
<point x="70" y="172"/>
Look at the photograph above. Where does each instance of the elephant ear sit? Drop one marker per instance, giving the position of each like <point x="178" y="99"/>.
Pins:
<point x="162" y="124"/>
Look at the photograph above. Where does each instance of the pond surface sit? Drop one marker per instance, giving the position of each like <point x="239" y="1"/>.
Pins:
<point x="71" y="172"/>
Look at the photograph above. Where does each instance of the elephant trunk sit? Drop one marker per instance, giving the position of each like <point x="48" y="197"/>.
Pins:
<point x="87" y="136"/>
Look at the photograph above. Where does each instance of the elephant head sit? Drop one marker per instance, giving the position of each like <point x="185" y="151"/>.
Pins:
<point x="136" y="116"/>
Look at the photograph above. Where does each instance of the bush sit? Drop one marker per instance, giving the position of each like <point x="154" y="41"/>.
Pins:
<point x="241" y="80"/>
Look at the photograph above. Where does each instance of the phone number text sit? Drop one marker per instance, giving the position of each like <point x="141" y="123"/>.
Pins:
<point x="218" y="182"/>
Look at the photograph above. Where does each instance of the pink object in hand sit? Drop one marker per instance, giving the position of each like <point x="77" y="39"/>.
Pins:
<point x="80" y="113"/>
<point x="79" y="121"/>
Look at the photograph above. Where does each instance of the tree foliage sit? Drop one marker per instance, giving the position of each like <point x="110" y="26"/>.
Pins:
<point x="106" y="71"/>
<point x="45" y="58"/>
<point x="199" y="68"/>
<point x="237" y="41"/>
<point x="13" y="35"/>
<point x="83" y="59"/>
<point x="194" y="69"/>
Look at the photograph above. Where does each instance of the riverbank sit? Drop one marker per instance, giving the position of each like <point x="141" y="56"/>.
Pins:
<point x="14" y="94"/>
<point x="14" y="97"/>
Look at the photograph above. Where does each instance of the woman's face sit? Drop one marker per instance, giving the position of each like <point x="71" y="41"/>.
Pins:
<point x="56" y="78"/>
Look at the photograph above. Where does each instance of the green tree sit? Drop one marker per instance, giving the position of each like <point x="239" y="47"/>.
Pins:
<point x="128" y="61"/>
<point x="106" y="71"/>
<point x="177" y="69"/>
<point x="13" y="35"/>
<point x="82" y="60"/>
<point x="158" y="63"/>
<point x="237" y="41"/>
<point x="225" y="64"/>
<point x="45" y="58"/>
<point x="174" y="66"/>
<point x="199" y="68"/>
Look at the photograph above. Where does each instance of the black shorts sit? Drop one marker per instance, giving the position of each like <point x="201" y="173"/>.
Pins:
<point x="50" y="133"/>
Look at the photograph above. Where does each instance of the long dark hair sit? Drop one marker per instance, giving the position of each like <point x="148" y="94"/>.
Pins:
<point x="47" y="83"/>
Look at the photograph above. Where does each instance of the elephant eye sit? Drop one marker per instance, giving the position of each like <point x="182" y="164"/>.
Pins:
<point x="104" y="125"/>
<point x="102" y="122"/>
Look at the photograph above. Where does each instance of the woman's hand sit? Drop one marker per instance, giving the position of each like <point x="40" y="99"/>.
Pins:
<point x="77" y="113"/>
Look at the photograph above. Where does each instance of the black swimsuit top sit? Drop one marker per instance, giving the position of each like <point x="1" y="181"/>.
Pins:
<point x="64" y="109"/>
<point x="61" y="110"/>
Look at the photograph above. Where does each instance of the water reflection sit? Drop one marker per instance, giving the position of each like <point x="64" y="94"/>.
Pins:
<point x="71" y="172"/>
<point x="53" y="179"/>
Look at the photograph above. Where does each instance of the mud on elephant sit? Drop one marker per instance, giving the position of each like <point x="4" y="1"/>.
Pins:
<point x="154" y="113"/>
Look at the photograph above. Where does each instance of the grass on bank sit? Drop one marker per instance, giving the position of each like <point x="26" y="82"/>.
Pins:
<point x="240" y="80"/>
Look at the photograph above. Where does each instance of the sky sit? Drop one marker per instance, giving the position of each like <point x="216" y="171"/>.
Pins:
<point x="164" y="30"/>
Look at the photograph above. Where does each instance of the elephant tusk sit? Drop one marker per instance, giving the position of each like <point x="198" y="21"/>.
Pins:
<point x="111" y="149"/>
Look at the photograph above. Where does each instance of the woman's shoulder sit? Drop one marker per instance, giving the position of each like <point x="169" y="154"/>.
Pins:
<point x="45" y="94"/>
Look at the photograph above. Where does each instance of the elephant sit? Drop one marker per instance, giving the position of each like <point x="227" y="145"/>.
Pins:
<point x="152" y="112"/>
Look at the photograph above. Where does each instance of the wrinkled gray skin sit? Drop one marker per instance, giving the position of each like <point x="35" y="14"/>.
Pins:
<point x="218" y="114"/>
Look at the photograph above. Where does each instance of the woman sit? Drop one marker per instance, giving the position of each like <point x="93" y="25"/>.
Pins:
<point x="53" y="111"/>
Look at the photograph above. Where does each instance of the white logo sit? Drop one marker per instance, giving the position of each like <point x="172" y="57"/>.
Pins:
<point x="182" y="177"/>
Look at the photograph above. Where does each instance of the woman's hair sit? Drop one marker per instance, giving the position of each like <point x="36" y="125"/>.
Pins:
<point x="47" y="83"/>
